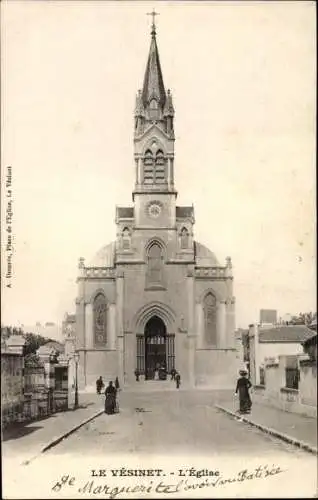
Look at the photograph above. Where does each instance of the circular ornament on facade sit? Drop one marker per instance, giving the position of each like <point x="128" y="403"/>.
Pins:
<point x="154" y="209"/>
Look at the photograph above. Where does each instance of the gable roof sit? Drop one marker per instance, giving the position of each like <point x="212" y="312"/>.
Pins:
<point x="58" y="346"/>
<point x="292" y="333"/>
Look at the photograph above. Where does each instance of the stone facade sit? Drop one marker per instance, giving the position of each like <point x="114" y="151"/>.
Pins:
<point x="155" y="296"/>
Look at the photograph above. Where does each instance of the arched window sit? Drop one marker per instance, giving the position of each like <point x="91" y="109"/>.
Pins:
<point x="160" y="158"/>
<point x="209" y="307"/>
<point x="155" y="265"/>
<point x="160" y="172"/>
<point x="100" y="320"/>
<point x="184" y="238"/>
<point x="126" y="238"/>
<point x="148" y="167"/>
<point x="148" y="157"/>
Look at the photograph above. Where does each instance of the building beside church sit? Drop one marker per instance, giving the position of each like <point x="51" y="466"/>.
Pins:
<point x="155" y="296"/>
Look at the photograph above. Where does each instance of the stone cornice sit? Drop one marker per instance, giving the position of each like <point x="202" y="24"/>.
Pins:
<point x="91" y="349"/>
<point x="134" y="261"/>
<point x="142" y="190"/>
<point x="180" y="261"/>
<point x="214" y="272"/>
<point x="213" y="348"/>
<point x="97" y="273"/>
<point x="152" y="228"/>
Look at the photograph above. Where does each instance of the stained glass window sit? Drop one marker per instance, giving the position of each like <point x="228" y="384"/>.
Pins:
<point x="210" y="319"/>
<point x="100" y="320"/>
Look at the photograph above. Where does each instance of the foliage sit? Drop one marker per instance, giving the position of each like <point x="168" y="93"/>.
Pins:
<point x="7" y="331"/>
<point x="32" y="340"/>
<point x="32" y="360"/>
<point x="304" y="318"/>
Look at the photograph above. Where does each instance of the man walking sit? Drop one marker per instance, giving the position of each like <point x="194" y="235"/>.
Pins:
<point x="99" y="385"/>
<point x="178" y="379"/>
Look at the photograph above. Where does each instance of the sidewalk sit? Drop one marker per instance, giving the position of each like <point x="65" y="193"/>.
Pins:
<point x="290" y="427"/>
<point x="31" y="438"/>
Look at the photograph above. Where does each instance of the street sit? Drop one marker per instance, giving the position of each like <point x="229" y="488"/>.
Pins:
<point x="177" y="423"/>
<point x="171" y="431"/>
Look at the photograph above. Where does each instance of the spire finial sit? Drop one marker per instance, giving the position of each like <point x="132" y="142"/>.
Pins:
<point x="153" y="27"/>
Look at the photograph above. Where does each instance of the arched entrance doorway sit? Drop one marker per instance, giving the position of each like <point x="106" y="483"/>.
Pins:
<point x="155" y="346"/>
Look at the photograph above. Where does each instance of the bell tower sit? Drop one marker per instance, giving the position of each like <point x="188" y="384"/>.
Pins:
<point x="154" y="194"/>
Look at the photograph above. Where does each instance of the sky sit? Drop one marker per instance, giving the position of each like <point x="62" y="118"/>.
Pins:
<point x="243" y="79"/>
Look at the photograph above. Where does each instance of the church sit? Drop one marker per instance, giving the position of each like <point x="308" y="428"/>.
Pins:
<point x="155" y="296"/>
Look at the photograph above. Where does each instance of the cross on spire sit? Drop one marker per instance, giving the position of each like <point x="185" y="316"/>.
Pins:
<point x="153" y="14"/>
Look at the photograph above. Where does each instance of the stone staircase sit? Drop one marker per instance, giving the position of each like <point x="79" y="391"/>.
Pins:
<point x="151" y="386"/>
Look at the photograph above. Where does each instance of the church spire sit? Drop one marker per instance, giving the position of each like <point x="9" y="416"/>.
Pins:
<point x="153" y="87"/>
<point x="154" y="130"/>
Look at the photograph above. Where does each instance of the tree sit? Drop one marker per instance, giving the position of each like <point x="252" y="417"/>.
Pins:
<point x="33" y="342"/>
<point x="32" y="359"/>
<point x="7" y="331"/>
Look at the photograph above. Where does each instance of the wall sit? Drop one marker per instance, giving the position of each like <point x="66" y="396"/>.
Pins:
<point x="269" y="350"/>
<point x="11" y="387"/>
<point x="275" y="393"/>
<point x="34" y="378"/>
<point x="308" y="384"/>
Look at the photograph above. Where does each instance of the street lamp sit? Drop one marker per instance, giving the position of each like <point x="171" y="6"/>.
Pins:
<point x="76" y="359"/>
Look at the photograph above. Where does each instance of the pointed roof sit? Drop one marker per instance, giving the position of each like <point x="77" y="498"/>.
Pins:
<point x="153" y="86"/>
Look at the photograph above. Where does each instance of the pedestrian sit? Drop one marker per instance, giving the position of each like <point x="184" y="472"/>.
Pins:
<point x="110" y="400"/>
<point x="242" y="388"/>
<point x="99" y="385"/>
<point x="117" y="384"/>
<point x="162" y="374"/>
<point x="137" y="374"/>
<point x="173" y="374"/>
<point x="178" y="379"/>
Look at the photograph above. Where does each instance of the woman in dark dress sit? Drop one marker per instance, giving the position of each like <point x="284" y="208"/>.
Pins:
<point x="242" y="388"/>
<point x="110" y="401"/>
